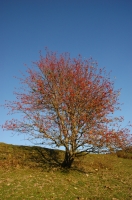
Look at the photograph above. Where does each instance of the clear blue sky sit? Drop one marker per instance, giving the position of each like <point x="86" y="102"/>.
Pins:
<point x="98" y="28"/>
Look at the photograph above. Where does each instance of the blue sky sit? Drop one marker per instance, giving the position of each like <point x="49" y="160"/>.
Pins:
<point x="98" y="28"/>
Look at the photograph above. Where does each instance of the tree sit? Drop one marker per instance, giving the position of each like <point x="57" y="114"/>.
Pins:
<point x="70" y="103"/>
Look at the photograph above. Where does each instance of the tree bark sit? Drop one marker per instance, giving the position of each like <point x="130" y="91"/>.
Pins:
<point x="68" y="160"/>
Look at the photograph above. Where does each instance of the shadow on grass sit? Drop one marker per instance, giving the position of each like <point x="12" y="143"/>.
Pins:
<point x="14" y="156"/>
<point x="45" y="158"/>
<point x="51" y="159"/>
<point x="50" y="156"/>
<point x="66" y="170"/>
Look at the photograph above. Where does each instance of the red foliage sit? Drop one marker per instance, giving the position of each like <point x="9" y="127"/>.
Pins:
<point x="69" y="102"/>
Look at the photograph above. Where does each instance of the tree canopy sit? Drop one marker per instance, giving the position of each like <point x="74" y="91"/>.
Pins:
<point x="69" y="102"/>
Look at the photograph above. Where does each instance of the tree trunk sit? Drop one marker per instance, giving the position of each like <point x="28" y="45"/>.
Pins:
<point x="68" y="160"/>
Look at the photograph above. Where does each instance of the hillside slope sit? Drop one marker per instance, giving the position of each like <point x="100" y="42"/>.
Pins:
<point x="34" y="173"/>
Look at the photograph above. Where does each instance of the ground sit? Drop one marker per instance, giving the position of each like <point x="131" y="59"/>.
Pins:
<point x="27" y="174"/>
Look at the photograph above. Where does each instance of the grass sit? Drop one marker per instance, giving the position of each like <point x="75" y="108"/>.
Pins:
<point x="34" y="173"/>
<point x="127" y="153"/>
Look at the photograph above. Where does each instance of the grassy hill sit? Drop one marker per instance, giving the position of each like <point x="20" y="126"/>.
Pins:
<point x="34" y="173"/>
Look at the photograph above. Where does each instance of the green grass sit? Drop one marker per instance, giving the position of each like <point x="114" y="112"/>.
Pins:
<point x="34" y="173"/>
